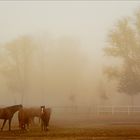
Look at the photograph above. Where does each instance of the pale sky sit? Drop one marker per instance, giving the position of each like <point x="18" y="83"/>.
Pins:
<point x="85" y="20"/>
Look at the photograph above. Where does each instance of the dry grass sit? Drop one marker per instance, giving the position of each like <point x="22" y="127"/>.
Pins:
<point x="100" y="128"/>
<point x="111" y="132"/>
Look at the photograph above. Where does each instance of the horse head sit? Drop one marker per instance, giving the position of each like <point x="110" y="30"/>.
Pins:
<point x="20" y="106"/>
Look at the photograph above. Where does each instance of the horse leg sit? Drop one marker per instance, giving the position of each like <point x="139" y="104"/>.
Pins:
<point x="33" y="120"/>
<point x="23" y="126"/>
<point x="20" y="125"/>
<point x="10" y="124"/>
<point x="3" y="124"/>
<point x="27" y="125"/>
<point x="42" y="125"/>
<point x="39" y="120"/>
<point x="47" y="129"/>
<point x="46" y="126"/>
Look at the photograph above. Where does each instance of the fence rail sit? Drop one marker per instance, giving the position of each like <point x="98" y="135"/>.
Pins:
<point x="97" y="109"/>
<point x="118" y="109"/>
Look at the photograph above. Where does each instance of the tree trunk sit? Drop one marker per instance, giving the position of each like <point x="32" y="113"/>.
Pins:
<point x="132" y="102"/>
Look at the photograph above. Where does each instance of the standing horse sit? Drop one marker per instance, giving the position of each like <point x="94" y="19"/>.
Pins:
<point x="7" y="114"/>
<point x="26" y="116"/>
<point x="45" y="117"/>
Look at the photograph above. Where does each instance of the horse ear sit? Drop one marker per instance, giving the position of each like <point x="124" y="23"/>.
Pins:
<point x="43" y="106"/>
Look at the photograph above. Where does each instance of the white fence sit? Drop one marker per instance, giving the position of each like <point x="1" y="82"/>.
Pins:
<point x="118" y="109"/>
<point x="96" y="110"/>
<point x="90" y="115"/>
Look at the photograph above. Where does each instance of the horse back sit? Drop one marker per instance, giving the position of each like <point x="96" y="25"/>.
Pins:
<point x="5" y="113"/>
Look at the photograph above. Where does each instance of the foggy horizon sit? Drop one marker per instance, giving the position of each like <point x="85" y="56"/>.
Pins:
<point x="66" y="64"/>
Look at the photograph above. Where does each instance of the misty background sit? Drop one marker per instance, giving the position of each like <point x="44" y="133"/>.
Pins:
<point x="52" y="52"/>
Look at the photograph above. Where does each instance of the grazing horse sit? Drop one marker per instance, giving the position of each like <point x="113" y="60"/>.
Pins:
<point x="26" y="116"/>
<point x="7" y="114"/>
<point x="45" y="117"/>
<point x="35" y="112"/>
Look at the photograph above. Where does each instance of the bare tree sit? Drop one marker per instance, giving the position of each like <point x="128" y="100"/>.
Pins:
<point x="124" y="44"/>
<point x="19" y="53"/>
<point x="102" y="93"/>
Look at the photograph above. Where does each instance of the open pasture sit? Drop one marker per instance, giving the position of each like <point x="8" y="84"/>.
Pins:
<point x="98" y="132"/>
<point x="82" y="129"/>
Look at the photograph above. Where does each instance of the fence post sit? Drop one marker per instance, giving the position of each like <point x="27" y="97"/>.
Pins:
<point x="112" y="110"/>
<point x="128" y="109"/>
<point x="97" y="109"/>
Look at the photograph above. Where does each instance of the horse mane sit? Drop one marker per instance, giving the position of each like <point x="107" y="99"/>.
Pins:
<point x="13" y="106"/>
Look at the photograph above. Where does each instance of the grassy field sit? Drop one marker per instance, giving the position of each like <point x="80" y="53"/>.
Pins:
<point x="98" y="132"/>
<point x="103" y="127"/>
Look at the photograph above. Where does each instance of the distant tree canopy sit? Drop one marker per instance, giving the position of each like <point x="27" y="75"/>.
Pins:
<point x="124" y="43"/>
<point x="29" y="66"/>
<point x="15" y="67"/>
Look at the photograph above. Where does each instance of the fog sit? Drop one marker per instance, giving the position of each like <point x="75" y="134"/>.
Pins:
<point x="52" y="52"/>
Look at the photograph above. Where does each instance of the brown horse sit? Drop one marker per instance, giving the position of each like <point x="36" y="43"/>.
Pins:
<point x="35" y="112"/>
<point x="7" y="114"/>
<point x="26" y="116"/>
<point x="45" y="117"/>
